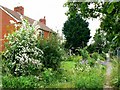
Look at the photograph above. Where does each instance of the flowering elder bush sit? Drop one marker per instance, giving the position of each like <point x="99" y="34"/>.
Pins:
<point x="21" y="54"/>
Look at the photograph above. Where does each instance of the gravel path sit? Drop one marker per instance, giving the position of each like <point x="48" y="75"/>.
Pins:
<point x="108" y="73"/>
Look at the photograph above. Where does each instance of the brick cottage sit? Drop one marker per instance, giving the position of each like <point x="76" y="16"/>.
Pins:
<point x="6" y="15"/>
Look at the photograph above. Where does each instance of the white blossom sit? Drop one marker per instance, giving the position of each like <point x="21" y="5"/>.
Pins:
<point x="12" y="22"/>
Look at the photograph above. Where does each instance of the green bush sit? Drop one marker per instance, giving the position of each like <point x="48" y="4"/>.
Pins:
<point x="74" y="58"/>
<point x="102" y="58"/>
<point x="91" y="81"/>
<point x="115" y="75"/>
<point x="84" y="53"/>
<point x="90" y="77"/>
<point x="91" y="61"/>
<point x="48" y="76"/>
<point x="9" y="81"/>
<point x="28" y="54"/>
<point x="95" y="55"/>
<point x="53" y="52"/>
<point x="22" y="56"/>
<point x="103" y="55"/>
<point x="116" y="81"/>
<point x="98" y="56"/>
<point x="89" y="74"/>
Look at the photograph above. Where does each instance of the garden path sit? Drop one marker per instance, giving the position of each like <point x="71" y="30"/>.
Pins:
<point x="108" y="73"/>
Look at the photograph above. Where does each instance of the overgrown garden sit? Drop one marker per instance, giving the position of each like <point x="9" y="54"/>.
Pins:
<point x="30" y="61"/>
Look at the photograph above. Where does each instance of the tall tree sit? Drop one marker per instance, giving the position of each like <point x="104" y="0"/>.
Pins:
<point x="76" y="32"/>
<point x="108" y="12"/>
<point x="101" y="44"/>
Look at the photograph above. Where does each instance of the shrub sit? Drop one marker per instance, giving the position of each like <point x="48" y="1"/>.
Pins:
<point x="74" y="58"/>
<point x="115" y="74"/>
<point x="90" y="77"/>
<point x="91" y="81"/>
<point x="103" y="55"/>
<point x="9" y="81"/>
<point x="91" y="61"/>
<point x="84" y="53"/>
<point x="95" y="55"/>
<point x="98" y="56"/>
<point x="22" y="55"/>
<point x="48" y="76"/>
<point x="53" y="52"/>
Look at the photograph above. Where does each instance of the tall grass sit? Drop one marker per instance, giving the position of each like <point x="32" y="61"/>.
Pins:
<point x="115" y="76"/>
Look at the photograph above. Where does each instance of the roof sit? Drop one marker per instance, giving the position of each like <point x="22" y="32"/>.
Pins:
<point x="30" y="20"/>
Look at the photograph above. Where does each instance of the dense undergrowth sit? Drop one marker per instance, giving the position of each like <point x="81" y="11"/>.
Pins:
<point x="30" y="61"/>
<point x="115" y="75"/>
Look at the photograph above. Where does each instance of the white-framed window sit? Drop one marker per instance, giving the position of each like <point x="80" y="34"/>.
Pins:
<point x="41" y="33"/>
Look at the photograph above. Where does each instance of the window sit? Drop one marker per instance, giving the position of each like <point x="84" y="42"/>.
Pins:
<point x="41" y="33"/>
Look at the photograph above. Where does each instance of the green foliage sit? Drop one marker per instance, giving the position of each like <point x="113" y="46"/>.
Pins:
<point x="84" y="53"/>
<point x="91" y="48"/>
<point x="27" y="54"/>
<point x="48" y="76"/>
<point x="83" y="8"/>
<point x="74" y="58"/>
<point x="102" y="56"/>
<point x="89" y="77"/>
<point x="90" y="80"/>
<point x="115" y="76"/>
<point x="9" y="81"/>
<point x="92" y="58"/>
<point x="82" y="76"/>
<point x="53" y="52"/>
<point x="66" y="77"/>
<point x="68" y="65"/>
<point x="76" y="32"/>
<point x="110" y="9"/>
<point x="22" y="57"/>
<point x="110" y="23"/>
<point x="109" y="14"/>
<point x="95" y="55"/>
<point x="101" y="43"/>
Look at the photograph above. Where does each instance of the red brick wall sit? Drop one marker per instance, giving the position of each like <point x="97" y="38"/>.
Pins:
<point x="46" y="34"/>
<point x="6" y="27"/>
<point x="0" y="30"/>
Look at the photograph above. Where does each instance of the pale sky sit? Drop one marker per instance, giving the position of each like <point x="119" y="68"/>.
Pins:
<point x="53" y="10"/>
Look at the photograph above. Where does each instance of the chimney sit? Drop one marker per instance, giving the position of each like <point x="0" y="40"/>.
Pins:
<point x="43" y="21"/>
<point x="19" y="9"/>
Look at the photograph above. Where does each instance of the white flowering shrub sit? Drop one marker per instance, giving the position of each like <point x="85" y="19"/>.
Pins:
<point x="21" y="52"/>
